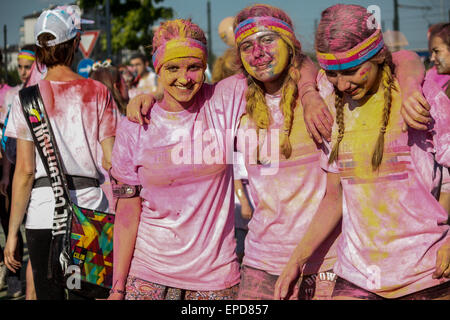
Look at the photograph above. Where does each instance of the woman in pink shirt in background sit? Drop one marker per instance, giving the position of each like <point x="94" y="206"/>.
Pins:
<point x="439" y="45"/>
<point x="394" y="241"/>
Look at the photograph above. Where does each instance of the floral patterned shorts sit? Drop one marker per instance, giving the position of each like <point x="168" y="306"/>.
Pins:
<point x="260" y="285"/>
<point x="138" y="289"/>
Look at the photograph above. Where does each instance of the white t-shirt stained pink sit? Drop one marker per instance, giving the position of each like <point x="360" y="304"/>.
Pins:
<point x="82" y="114"/>
<point x="186" y="232"/>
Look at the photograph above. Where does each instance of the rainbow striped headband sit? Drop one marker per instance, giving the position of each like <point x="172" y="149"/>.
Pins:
<point x="179" y="48"/>
<point x="253" y="25"/>
<point x="353" y="57"/>
<point x="26" y="54"/>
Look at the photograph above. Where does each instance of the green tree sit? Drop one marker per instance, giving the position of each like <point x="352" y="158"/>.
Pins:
<point x="131" y="21"/>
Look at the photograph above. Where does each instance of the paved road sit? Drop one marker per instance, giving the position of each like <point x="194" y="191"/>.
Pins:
<point x="3" y="292"/>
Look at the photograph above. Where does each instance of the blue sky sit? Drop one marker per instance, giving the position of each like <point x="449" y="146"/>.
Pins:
<point x="413" y="22"/>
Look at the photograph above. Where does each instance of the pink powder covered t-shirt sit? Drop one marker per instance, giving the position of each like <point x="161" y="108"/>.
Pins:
<point x="82" y="114"/>
<point x="443" y="81"/>
<point x="186" y="232"/>
<point x="4" y="88"/>
<point x="286" y="192"/>
<point x="392" y="224"/>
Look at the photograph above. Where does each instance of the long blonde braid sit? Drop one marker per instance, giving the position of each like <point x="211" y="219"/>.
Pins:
<point x="388" y="83"/>
<point x="339" y="105"/>
<point x="289" y="96"/>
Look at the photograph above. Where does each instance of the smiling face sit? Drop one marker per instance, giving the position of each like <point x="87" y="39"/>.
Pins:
<point x="181" y="78"/>
<point x="440" y="55"/>
<point x="355" y="82"/>
<point x="265" y="55"/>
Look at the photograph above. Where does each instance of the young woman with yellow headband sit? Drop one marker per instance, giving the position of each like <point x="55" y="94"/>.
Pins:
<point x="395" y="243"/>
<point x="175" y="240"/>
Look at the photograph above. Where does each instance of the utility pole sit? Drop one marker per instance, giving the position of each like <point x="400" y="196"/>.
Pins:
<point x="396" y="26"/>
<point x="208" y="11"/>
<point x="6" y="51"/>
<point x="108" y="30"/>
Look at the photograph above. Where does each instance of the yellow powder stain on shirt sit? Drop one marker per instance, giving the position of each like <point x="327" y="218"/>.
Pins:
<point x="362" y="127"/>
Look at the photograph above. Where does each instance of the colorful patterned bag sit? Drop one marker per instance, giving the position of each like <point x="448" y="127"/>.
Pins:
<point x="81" y="255"/>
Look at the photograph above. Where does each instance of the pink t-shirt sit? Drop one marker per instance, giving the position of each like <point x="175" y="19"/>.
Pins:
<point x="4" y="88"/>
<point x="392" y="224"/>
<point x="186" y="232"/>
<point x="286" y="192"/>
<point x="443" y="81"/>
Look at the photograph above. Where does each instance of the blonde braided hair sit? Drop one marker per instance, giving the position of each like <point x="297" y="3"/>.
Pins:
<point x="388" y="83"/>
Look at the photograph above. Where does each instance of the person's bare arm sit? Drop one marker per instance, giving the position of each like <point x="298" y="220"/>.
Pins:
<point x="317" y="116"/>
<point x="410" y="73"/>
<point x="246" y="208"/>
<point x="21" y="191"/>
<point x="323" y="223"/>
<point x="107" y="147"/>
<point x="126" y="224"/>
<point x="6" y="171"/>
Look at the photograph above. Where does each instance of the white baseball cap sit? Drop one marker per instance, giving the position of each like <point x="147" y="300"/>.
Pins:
<point x="63" y="22"/>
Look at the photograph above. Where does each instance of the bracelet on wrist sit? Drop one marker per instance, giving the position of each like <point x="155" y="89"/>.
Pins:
<point x="117" y="291"/>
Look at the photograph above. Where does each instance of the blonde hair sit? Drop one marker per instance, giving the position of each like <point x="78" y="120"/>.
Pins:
<point x="388" y="83"/>
<point x="256" y="102"/>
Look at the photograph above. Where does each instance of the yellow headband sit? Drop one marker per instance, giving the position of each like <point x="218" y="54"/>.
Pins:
<point x="26" y="54"/>
<point x="179" y="48"/>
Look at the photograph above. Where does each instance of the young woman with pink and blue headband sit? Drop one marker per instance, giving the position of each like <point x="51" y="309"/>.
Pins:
<point x="395" y="243"/>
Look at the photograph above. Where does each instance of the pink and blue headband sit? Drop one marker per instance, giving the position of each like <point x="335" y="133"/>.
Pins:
<point x="353" y="57"/>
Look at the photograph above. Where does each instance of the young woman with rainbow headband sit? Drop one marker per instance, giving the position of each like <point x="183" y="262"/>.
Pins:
<point x="287" y="198"/>
<point x="273" y="65"/>
<point x="394" y="241"/>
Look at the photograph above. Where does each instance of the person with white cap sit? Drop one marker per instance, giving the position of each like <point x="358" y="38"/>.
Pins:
<point x="83" y="114"/>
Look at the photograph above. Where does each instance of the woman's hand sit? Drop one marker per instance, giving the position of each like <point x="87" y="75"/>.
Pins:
<point x="415" y="108"/>
<point x="4" y="184"/>
<point x="317" y="117"/>
<point x="9" y="253"/>
<point x="443" y="261"/>
<point x="288" y="283"/>
<point x="139" y="107"/>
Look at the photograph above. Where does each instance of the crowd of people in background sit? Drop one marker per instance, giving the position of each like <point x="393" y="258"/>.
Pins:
<point x="344" y="195"/>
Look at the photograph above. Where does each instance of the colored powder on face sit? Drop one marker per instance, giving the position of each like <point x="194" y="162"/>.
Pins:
<point x="364" y="74"/>
<point x="282" y="57"/>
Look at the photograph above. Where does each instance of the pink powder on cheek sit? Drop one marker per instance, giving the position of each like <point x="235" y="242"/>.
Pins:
<point x="364" y="74"/>
<point x="364" y="71"/>
<point x="194" y="76"/>
<point x="255" y="59"/>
